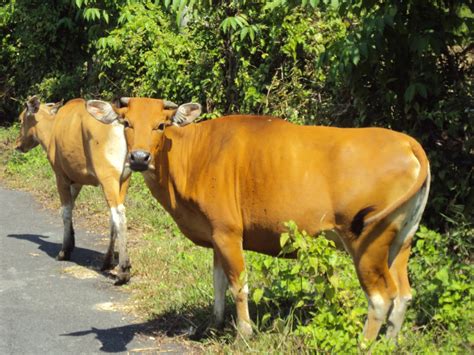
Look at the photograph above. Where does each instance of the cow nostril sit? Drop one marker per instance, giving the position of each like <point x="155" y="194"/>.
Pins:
<point x="139" y="160"/>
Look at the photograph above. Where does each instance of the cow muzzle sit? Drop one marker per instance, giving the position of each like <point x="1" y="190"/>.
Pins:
<point x="139" y="160"/>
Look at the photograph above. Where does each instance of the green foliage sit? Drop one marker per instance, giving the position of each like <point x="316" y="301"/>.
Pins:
<point x="317" y="297"/>
<point x="317" y="293"/>
<point x="444" y="292"/>
<point x="310" y="304"/>
<point x="408" y="66"/>
<point x="403" y="65"/>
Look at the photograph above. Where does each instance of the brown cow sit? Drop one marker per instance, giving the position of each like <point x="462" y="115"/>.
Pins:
<point x="230" y="183"/>
<point x="82" y="151"/>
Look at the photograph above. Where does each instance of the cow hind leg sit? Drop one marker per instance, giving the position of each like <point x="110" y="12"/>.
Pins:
<point x="399" y="271"/>
<point x="376" y="279"/>
<point x="398" y="258"/>
<point x="230" y="252"/>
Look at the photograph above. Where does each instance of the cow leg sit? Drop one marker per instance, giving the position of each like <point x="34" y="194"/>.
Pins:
<point x="398" y="260"/>
<point x="375" y="278"/>
<point x="220" y="286"/>
<point x="67" y="205"/>
<point x="115" y="195"/>
<point x="399" y="271"/>
<point x="230" y="252"/>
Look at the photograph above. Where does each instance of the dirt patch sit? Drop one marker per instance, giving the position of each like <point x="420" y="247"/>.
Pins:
<point x="80" y="272"/>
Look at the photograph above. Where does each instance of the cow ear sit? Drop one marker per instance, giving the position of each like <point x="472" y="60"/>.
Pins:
<point x="55" y="107"/>
<point x="186" y="113"/>
<point x="101" y="111"/>
<point x="33" y="104"/>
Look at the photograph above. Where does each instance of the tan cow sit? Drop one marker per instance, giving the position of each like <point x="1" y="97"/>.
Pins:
<point x="81" y="151"/>
<point x="231" y="183"/>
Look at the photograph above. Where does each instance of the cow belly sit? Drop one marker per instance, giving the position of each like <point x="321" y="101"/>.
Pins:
<point x="262" y="240"/>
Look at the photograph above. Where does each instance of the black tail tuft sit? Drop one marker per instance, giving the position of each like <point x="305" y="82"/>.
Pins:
<point x="357" y="224"/>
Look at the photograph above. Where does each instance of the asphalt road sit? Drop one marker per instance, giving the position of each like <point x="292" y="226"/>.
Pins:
<point x="52" y="307"/>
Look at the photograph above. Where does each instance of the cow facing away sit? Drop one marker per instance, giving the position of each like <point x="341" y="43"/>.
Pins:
<point x="231" y="183"/>
<point x="81" y="151"/>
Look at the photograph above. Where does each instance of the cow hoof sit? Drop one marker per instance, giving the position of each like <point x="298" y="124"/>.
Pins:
<point x="63" y="255"/>
<point x="245" y="329"/>
<point x="123" y="276"/>
<point x="122" y="279"/>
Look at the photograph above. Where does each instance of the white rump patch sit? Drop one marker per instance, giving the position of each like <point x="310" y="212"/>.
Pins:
<point x="412" y="220"/>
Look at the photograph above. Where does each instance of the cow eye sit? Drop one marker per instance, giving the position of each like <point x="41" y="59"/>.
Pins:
<point x="126" y="124"/>
<point x="160" y="127"/>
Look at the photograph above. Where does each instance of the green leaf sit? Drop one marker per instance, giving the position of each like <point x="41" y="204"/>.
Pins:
<point x="243" y="33"/>
<point x="410" y="93"/>
<point x="252" y="35"/>
<point x="105" y="15"/>
<point x="257" y="295"/>
<point x="284" y="239"/>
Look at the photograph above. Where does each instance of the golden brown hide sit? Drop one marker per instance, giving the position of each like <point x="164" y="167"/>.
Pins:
<point x="81" y="151"/>
<point x="231" y="183"/>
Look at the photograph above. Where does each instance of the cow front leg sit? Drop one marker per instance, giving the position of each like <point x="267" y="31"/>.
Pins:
<point x="119" y="221"/>
<point x="115" y="195"/>
<point x="230" y="252"/>
<point x="67" y="205"/>
<point x="220" y="287"/>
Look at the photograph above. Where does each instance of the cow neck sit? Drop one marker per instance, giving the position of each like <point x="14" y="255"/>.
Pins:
<point x="44" y="129"/>
<point x="175" y="156"/>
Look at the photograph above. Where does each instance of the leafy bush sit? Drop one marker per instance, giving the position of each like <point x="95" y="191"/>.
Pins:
<point x="317" y="296"/>
<point x="318" y="291"/>
<point x="444" y="289"/>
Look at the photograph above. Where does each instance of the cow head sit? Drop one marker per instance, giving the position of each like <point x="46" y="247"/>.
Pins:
<point x="144" y="120"/>
<point x="33" y="113"/>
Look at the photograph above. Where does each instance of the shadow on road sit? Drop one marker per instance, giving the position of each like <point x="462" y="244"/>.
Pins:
<point x="116" y="339"/>
<point x="170" y="324"/>
<point x="88" y="258"/>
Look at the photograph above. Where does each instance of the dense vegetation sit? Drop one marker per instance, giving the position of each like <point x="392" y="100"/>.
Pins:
<point x="406" y="65"/>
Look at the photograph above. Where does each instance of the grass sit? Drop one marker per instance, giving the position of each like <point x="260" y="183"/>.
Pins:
<point x="172" y="279"/>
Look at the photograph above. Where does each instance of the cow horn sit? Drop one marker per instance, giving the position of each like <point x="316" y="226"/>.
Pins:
<point x="170" y="104"/>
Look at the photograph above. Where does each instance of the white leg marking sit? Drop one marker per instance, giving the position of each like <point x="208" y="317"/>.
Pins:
<point x="378" y="305"/>
<point x="119" y="222"/>
<point x="220" y="286"/>
<point x="243" y="316"/>
<point x="119" y="227"/>
<point x="397" y="315"/>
